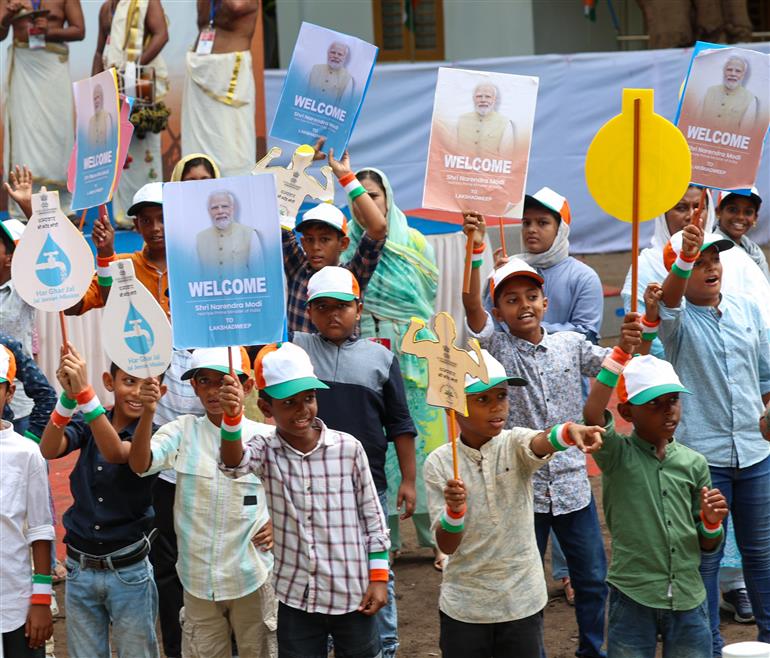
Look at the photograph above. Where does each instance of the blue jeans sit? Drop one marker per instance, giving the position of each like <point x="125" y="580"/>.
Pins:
<point x="748" y="493"/>
<point x="580" y="538"/>
<point x="125" y="598"/>
<point x="634" y="628"/>
<point x="558" y="561"/>
<point x="387" y="617"/>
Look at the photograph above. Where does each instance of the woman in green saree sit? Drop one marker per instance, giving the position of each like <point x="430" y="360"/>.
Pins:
<point x="403" y="286"/>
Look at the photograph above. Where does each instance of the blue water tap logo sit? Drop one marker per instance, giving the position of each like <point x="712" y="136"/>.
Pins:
<point x="52" y="267"/>
<point x="137" y="332"/>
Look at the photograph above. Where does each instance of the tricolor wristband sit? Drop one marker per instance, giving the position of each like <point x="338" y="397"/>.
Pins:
<point x="352" y="186"/>
<point x="453" y="522"/>
<point x="649" y="329"/>
<point x="616" y="360"/>
<point x="709" y="534"/>
<point x="378" y="567"/>
<point x="230" y="430"/>
<point x="42" y="588"/>
<point x="62" y="413"/>
<point x="477" y="258"/>
<point x="89" y="405"/>
<point x="103" y="272"/>
<point x="559" y="437"/>
<point x="683" y="267"/>
<point x="608" y="378"/>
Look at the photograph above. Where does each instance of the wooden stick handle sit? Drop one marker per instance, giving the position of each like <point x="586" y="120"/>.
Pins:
<point x="230" y="361"/>
<point x="635" y="210"/>
<point x="502" y="237"/>
<point x="63" y="325"/>
<point x="468" y="264"/>
<point x="453" y="438"/>
<point x="696" y="217"/>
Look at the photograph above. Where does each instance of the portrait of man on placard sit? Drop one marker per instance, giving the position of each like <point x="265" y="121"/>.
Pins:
<point x="730" y="105"/>
<point x="101" y="126"/>
<point x="226" y="247"/>
<point x="331" y="80"/>
<point x="485" y="131"/>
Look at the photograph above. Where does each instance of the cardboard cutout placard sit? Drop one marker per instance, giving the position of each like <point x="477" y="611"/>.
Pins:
<point x="52" y="265"/>
<point x="480" y="137"/>
<point x="724" y="114"/>
<point x="225" y="262"/>
<point x="324" y="89"/>
<point x="293" y="184"/>
<point x="447" y="363"/>
<point x="97" y="144"/>
<point x="135" y="331"/>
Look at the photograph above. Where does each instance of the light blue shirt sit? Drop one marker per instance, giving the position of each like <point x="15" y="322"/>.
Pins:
<point x="722" y="356"/>
<point x="575" y="298"/>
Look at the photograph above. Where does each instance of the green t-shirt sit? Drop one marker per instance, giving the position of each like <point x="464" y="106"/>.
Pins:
<point x="652" y="507"/>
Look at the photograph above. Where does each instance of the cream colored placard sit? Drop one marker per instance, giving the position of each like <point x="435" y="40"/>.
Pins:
<point x="135" y="331"/>
<point x="294" y="183"/>
<point x="52" y="265"/>
<point x="447" y="363"/>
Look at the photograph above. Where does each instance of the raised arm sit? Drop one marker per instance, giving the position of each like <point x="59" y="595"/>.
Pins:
<point x="675" y="284"/>
<point x="374" y="222"/>
<point x="19" y="188"/>
<point x="231" y="447"/>
<point x="474" y="228"/>
<point x="97" y="66"/>
<point x="140" y="453"/>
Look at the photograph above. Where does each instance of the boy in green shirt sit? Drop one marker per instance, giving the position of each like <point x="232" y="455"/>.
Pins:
<point x="660" y="510"/>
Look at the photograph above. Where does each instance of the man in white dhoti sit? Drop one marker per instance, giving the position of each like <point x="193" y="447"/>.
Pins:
<point x="132" y="33"/>
<point x="219" y="96"/>
<point x="38" y="111"/>
<point x="227" y="249"/>
<point x="730" y="106"/>
<point x="485" y="131"/>
<point x="331" y="80"/>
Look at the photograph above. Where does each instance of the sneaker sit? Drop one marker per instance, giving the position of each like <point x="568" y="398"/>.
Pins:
<point x="737" y="602"/>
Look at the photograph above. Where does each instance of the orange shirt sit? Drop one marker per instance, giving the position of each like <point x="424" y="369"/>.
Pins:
<point x="151" y="278"/>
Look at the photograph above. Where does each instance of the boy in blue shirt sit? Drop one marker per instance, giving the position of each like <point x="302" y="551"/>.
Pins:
<point x="110" y="588"/>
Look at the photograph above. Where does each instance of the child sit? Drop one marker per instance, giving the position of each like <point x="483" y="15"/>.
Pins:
<point x="718" y="345"/>
<point x="555" y="365"/>
<point x="324" y="238"/>
<point x="25" y="518"/>
<point x="493" y="590"/>
<point x="226" y="580"/>
<point x="660" y="509"/>
<point x="365" y="398"/>
<point x="331" y="538"/>
<point x="737" y="215"/>
<point x="109" y="579"/>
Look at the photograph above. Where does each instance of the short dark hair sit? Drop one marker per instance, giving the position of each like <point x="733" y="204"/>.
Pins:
<point x="263" y="395"/>
<point x="198" y="162"/>
<point x="115" y="368"/>
<point x="315" y="223"/>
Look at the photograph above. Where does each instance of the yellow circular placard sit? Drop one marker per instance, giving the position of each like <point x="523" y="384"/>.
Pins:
<point x="664" y="161"/>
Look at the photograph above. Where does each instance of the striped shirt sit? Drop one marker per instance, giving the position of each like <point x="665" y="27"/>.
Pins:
<point x="215" y="517"/>
<point x="298" y="273"/>
<point x="326" y="517"/>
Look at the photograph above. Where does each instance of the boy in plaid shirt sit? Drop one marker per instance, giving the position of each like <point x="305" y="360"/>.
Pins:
<point x="324" y="238"/>
<point x="331" y="538"/>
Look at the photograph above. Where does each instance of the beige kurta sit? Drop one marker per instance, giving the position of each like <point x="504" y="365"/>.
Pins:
<point x="734" y="111"/>
<point x="125" y="45"/>
<point x="335" y="85"/>
<point x="491" y="134"/>
<point x="228" y="252"/>
<point x="101" y="131"/>
<point x="218" y="110"/>
<point x="38" y="115"/>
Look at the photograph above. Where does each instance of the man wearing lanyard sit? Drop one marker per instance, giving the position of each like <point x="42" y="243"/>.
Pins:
<point x="39" y="112"/>
<point x="218" y="102"/>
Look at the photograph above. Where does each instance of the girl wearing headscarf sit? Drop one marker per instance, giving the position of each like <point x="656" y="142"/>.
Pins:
<point x="196" y="166"/>
<point x="403" y="286"/>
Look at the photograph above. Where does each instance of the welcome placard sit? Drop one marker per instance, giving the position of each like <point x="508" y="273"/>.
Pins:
<point x="225" y="262"/>
<point x="480" y="138"/>
<point x="324" y="88"/>
<point x="724" y="114"/>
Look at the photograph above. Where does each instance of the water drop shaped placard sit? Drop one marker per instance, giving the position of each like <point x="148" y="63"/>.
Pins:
<point x="135" y="331"/>
<point x="52" y="266"/>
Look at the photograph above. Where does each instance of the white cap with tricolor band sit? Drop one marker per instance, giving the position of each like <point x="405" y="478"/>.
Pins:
<point x="645" y="378"/>
<point x="326" y="213"/>
<point x="284" y="369"/>
<point x="552" y="200"/>
<point x="514" y="267"/>
<point x="754" y="196"/>
<point x="150" y="194"/>
<point x="14" y="229"/>
<point x="7" y="365"/>
<point x="673" y="248"/>
<point x="336" y="282"/>
<point x="218" y="358"/>
<point x="496" y="373"/>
